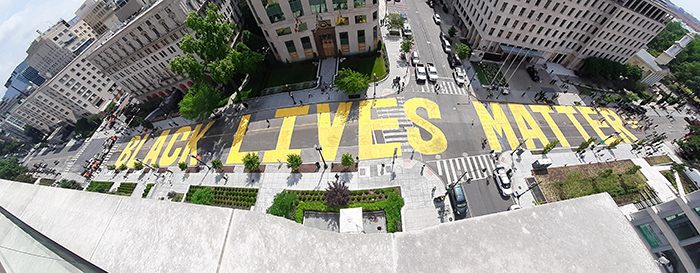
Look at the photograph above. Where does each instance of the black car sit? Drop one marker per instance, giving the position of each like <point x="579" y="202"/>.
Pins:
<point x="458" y="201"/>
<point x="454" y="61"/>
<point x="533" y="74"/>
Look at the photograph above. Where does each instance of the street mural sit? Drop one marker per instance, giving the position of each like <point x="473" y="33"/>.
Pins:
<point x="177" y="145"/>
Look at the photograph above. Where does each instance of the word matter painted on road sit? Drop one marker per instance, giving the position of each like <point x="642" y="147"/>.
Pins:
<point x="496" y="124"/>
<point x="329" y="135"/>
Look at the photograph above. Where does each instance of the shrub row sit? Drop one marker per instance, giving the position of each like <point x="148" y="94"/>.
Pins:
<point x="126" y="188"/>
<point x="96" y="186"/>
<point x="146" y="190"/>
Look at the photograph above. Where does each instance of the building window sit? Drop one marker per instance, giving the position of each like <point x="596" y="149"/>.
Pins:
<point x="360" y="19"/>
<point x="374" y="16"/>
<point x="508" y="35"/>
<point x="500" y="33"/>
<point x="318" y="6"/>
<point x="274" y="11"/>
<point x="290" y="47"/>
<point x="340" y="4"/>
<point x="360" y="3"/>
<point x="297" y="8"/>
<point x="498" y="18"/>
<point x="374" y="33"/>
<point x="306" y="43"/>
<point x="681" y="226"/>
<point x="283" y="31"/>
<point x="361" y="40"/>
<point x="694" y="253"/>
<point x="344" y="42"/>
<point x="505" y="22"/>
<point x="491" y="31"/>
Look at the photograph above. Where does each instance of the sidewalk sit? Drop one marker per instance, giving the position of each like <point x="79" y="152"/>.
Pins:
<point x="416" y="184"/>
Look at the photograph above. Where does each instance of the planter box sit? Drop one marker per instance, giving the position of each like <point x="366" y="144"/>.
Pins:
<point x="261" y="169"/>
<point x="355" y="96"/>
<point x="130" y="170"/>
<point x="309" y="168"/>
<point x="192" y="170"/>
<point x="339" y="168"/>
<point x="146" y="170"/>
<point x="162" y="170"/>
<point x="226" y="169"/>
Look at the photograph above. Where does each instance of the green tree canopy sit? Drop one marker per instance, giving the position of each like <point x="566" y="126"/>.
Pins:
<point x="351" y="82"/>
<point x="283" y="205"/>
<point x="667" y="37"/>
<point x="33" y="133"/>
<point x="395" y="21"/>
<point x="407" y="44"/>
<point x="463" y="51"/>
<point x="294" y="161"/>
<point x="347" y="160"/>
<point x="217" y="164"/>
<point x="199" y="102"/>
<point x="251" y="162"/>
<point x="452" y="31"/>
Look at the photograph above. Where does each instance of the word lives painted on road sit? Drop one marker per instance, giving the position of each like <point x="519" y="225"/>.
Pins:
<point x="330" y="131"/>
<point x="496" y="124"/>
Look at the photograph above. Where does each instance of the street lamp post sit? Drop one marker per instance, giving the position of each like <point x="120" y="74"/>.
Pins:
<point x="200" y="161"/>
<point x="319" y="149"/>
<point x="375" y="86"/>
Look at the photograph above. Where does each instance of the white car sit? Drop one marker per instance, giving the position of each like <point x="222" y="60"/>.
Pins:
<point x="502" y="181"/>
<point x="421" y="75"/>
<point x="415" y="59"/>
<point x="460" y="76"/>
<point x="436" y="18"/>
<point x="432" y="72"/>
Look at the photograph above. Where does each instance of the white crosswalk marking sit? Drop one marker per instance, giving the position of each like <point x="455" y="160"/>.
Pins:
<point x="446" y="87"/>
<point x="451" y="169"/>
<point x="397" y="134"/>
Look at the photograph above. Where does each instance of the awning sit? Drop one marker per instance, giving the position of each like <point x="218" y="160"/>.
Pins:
<point x="520" y="51"/>
<point x="351" y="221"/>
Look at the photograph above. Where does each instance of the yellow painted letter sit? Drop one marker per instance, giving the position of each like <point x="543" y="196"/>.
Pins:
<point x="495" y="126"/>
<point x="126" y="153"/>
<point x="595" y="124"/>
<point x="438" y="143"/>
<point x="616" y="123"/>
<point x="285" y="137"/>
<point x="545" y="110"/>
<point x="527" y="125"/>
<point x="367" y="149"/>
<point x="152" y="155"/>
<point x="234" y="156"/>
<point x="167" y="158"/>
<point x="570" y="111"/>
<point x="191" y="147"/>
<point x="329" y="135"/>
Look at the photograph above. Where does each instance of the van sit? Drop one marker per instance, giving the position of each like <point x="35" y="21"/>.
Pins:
<point x="407" y="30"/>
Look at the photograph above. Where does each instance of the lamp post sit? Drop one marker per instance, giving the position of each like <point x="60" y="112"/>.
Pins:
<point x="200" y="161"/>
<point x="319" y="149"/>
<point x="375" y="86"/>
<point x="149" y="167"/>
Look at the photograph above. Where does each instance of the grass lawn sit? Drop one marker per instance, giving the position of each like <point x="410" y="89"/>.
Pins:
<point x="656" y="160"/>
<point x="367" y="64"/>
<point x="584" y="91"/>
<point x="581" y="180"/>
<point x="687" y="185"/>
<point x="279" y="74"/>
<point x="487" y="71"/>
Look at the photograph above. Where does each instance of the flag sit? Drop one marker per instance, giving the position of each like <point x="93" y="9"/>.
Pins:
<point x="296" y="24"/>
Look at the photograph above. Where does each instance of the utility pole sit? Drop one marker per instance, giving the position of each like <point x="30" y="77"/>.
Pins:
<point x="319" y="149"/>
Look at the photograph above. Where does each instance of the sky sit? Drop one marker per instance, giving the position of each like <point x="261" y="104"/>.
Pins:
<point x="19" y="20"/>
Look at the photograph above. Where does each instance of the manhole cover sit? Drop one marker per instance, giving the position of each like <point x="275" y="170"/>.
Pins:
<point x="438" y="157"/>
<point x="465" y="155"/>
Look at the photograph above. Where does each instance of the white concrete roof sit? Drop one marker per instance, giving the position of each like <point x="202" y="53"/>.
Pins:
<point x="123" y="234"/>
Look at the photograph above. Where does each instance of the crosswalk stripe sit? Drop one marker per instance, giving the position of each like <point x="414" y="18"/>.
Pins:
<point x="438" y="168"/>
<point x="454" y="172"/>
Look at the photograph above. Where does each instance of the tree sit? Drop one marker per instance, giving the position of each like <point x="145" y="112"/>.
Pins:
<point x="614" y="144"/>
<point x="667" y="37"/>
<point x="585" y="144"/>
<point x="25" y="178"/>
<point x="251" y="161"/>
<point x="210" y="62"/>
<point x="111" y="107"/>
<point x="463" y="51"/>
<point x="395" y="21"/>
<point x="182" y="165"/>
<point x="347" y="160"/>
<point x="337" y="194"/>
<point x="452" y="31"/>
<point x="199" y="102"/>
<point x="550" y="146"/>
<point x="10" y="168"/>
<point x="138" y="166"/>
<point x="407" y="44"/>
<point x="294" y="162"/>
<point x="351" y="82"/>
<point x="94" y="119"/>
<point x="123" y="167"/>
<point x="34" y="134"/>
<point x="155" y="165"/>
<point x="216" y="164"/>
<point x="71" y="184"/>
<point x="283" y="205"/>
<point x="203" y="196"/>
<point x="111" y="167"/>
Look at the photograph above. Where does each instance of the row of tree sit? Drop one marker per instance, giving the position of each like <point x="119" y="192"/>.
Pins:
<point x="685" y="68"/>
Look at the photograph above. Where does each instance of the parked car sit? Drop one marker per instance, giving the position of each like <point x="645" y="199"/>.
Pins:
<point x="460" y="76"/>
<point x="454" y="61"/>
<point x="436" y="18"/>
<point x="502" y="181"/>
<point x="458" y="200"/>
<point x="443" y="37"/>
<point x="407" y="30"/>
<point x="415" y="59"/>
<point x="533" y="74"/>
<point x="432" y="72"/>
<point x="421" y="75"/>
<point x="447" y="47"/>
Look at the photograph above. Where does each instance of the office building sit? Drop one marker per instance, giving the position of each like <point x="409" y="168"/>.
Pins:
<point x="672" y="229"/>
<point x="563" y="32"/>
<point x="103" y="15"/>
<point x="137" y="55"/>
<point x="17" y="83"/>
<point x="302" y="29"/>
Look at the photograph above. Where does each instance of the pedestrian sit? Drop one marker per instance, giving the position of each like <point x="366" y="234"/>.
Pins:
<point x="472" y="122"/>
<point x="268" y="123"/>
<point x="337" y="176"/>
<point x="529" y="86"/>
<point x="523" y="94"/>
<point x="310" y="94"/>
<point x="329" y="96"/>
<point x="301" y="102"/>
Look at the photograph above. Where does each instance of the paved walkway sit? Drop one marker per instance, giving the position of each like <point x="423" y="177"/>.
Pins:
<point x="416" y="184"/>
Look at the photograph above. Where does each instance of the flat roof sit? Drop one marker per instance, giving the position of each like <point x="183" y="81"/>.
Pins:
<point x="125" y="234"/>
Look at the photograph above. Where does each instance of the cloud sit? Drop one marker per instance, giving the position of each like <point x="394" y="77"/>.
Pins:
<point x="19" y="21"/>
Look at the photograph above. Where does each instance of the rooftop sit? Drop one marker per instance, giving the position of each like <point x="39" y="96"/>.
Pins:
<point x="123" y="234"/>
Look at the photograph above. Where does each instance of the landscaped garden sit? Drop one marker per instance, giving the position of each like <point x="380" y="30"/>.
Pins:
<point x="126" y="189"/>
<point x="280" y="74"/>
<point x="239" y="198"/>
<point x="292" y="204"/>
<point x="688" y="186"/>
<point x="656" y="160"/>
<point x="489" y="74"/>
<point x="46" y="181"/>
<point x="367" y="64"/>
<point x="146" y="190"/>
<point x="96" y="186"/>
<point x="621" y="179"/>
